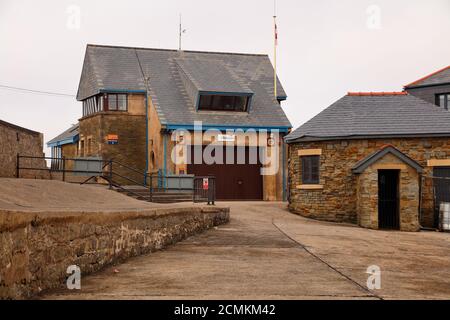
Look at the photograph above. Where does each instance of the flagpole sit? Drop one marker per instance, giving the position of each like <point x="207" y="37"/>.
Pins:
<point x="275" y="43"/>
<point x="179" y="37"/>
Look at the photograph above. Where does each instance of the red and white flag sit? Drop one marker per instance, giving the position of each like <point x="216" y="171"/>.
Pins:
<point x="276" y="34"/>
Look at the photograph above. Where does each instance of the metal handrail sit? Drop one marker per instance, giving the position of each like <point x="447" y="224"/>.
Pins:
<point x="109" y="175"/>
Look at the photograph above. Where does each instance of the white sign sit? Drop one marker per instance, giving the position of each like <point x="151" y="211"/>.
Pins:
<point x="226" y="138"/>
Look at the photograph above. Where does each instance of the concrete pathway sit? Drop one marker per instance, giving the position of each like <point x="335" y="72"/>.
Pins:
<point x="267" y="253"/>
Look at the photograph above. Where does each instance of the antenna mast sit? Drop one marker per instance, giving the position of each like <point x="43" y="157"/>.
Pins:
<point x="180" y="35"/>
<point x="275" y="48"/>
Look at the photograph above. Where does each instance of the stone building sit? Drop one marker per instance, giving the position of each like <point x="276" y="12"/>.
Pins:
<point x="139" y="104"/>
<point x="65" y="143"/>
<point x="16" y="140"/>
<point x="373" y="159"/>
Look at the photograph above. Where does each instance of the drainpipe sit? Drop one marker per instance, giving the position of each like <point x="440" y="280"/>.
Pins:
<point x="284" y="167"/>
<point x="165" y="158"/>
<point x="146" y="136"/>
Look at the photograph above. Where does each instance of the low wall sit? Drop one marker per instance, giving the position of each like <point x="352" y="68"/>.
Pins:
<point x="37" y="248"/>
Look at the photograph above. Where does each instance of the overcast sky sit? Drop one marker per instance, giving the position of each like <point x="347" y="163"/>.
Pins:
<point x="326" y="47"/>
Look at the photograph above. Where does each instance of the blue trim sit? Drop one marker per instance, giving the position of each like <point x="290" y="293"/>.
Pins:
<point x="165" y="158"/>
<point x="109" y="90"/>
<point x="197" y="103"/>
<point x="223" y="126"/>
<point x="249" y="103"/>
<point x="283" y="150"/>
<point x="228" y="93"/>
<point x="58" y="143"/>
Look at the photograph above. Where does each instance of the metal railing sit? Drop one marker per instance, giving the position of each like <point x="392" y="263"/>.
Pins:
<point x="122" y="177"/>
<point x="205" y="189"/>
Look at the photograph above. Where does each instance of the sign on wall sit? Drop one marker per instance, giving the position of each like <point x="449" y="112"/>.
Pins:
<point x="226" y="137"/>
<point x="205" y="184"/>
<point x="113" y="139"/>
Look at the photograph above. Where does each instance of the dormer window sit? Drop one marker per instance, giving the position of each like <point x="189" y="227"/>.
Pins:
<point x="443" y="100"/>
<point x="224" y="102"/>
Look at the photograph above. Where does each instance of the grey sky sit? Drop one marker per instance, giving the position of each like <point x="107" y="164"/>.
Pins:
<point x="325" y="46"/>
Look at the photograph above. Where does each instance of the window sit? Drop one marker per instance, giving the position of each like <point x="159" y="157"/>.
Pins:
<point x="89" y="146"/>
<point x="443" y="100"/>
<point x="310" y="169"/>
<point x="223" y="103"/>
<point x="117" y="102"/>
<point x="92" y="105"/>
<point x="82" y="147"/>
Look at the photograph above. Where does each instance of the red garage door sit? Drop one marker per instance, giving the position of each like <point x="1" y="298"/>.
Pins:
<point x="233" y="181"/>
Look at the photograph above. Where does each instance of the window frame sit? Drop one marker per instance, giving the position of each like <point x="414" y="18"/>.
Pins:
<point x="213" y="96"/>
<point x="446" y="96"/>
<point x="310" y="163"/>
<point x="107" y="105"/>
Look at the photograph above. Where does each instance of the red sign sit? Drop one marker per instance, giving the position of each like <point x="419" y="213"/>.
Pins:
<point x="205" y="184"/>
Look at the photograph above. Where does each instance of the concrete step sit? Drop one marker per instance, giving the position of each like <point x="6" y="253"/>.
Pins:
<point x="158" y="196"/>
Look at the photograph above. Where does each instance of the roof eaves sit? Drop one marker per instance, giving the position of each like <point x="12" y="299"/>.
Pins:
<point x="426" y="77"/>
<point x="306" y="138"/>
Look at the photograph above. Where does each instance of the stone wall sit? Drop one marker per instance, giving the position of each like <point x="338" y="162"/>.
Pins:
<point x="337" y="200"/>
<point x="37" y="248"/>
<point x="130" y="150"/>
<point x="16" y="140"/>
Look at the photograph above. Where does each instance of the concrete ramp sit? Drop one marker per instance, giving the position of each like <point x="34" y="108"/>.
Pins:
<point x="47" y="226"/>
<point x="38" y="195"/>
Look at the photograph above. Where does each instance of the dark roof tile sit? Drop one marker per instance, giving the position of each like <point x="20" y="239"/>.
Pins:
<point x="356" y="116"/>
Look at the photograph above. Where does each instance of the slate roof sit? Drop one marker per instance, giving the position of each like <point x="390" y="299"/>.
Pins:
<point x="363" y="164"/>
<point x="211" y="75"/>
<point x="174" y="76"/>
<point x="69" y="134"/>
<point x="375" y="115"/>
<point x="439" y="77"/>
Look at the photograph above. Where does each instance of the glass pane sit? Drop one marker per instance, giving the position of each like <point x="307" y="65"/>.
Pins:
<point x="241" y="103"/>
<point x="112" y="102"/>
<point x="226" y="102"/>
<point x="448" y="102"/>
<point x="205" y="102"/>
<point x="441" y="100"/>
<point x="306" y="170"/>
<point x="122" y="102"/>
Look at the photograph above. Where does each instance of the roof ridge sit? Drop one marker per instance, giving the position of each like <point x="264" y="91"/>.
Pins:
<point x="381" y="93"/>
<point x="175" y="50"/>
<point x="427" y="76"/>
